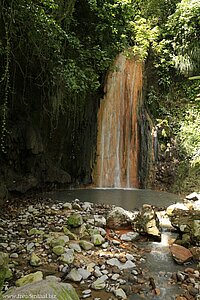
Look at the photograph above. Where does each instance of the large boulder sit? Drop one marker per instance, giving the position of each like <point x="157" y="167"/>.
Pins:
<point x="119" y="218"/>
<point x="188" y="224"/>
<point x="147" y="222"/>
<point x="43" y="289"/>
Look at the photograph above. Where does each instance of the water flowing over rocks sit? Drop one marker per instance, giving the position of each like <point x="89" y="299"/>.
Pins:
<point x="79" y="245"/>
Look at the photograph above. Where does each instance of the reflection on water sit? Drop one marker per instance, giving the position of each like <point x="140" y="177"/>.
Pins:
<point x="127" y="198"/>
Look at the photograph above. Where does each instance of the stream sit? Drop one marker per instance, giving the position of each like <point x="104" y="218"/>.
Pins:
<point x="158" y="260"/>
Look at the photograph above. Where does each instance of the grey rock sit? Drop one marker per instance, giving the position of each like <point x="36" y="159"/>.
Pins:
<point x="47" y="288"/>
<point x="97" y="239"/>
<point x="75" y="247"/>
<point x="68" y="256"/>
<point x="74" y="275"/>
<point x="84" y="273"/>
<point x="129" y="237"/>
<point x="86" y="245"/>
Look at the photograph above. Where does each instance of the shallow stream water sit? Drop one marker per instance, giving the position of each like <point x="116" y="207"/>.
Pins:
<point x="158" y="261"/>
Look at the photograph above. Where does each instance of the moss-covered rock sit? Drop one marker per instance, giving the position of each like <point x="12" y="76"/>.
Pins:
<point x="85" y="245"/>
<point x="33" y="277"/>
<point x="70" y="234"/>
<point x="147" y="222"/>
<point x="44" y="289"/>
<point x="35" y="260"/>
<point x="58" y="250"/>
<point x="188" y="223"/>
<point x="75" y="220"/>
<point x="59" y="241"/>
<point x="97" y="239"/>
<point x="4" y="270"/>
<point x="35" y="231"/>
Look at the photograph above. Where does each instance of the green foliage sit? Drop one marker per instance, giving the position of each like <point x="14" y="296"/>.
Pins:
<point x="188" y="134"/>
<point x="188" y="177"/>
<point x="144" y="36"/>
<point x="183" y="27"/>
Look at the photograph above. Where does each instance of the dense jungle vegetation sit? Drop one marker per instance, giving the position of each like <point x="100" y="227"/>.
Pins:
<point x="54" y="55"/>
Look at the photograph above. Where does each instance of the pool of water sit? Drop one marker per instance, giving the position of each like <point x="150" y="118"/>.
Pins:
<point x="127" y="198"/>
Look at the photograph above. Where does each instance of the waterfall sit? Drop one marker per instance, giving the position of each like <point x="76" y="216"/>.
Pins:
<point x="118" y="145"/>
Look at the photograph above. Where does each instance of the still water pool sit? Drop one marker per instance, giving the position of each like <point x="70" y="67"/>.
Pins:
<point x="127" y="198"/>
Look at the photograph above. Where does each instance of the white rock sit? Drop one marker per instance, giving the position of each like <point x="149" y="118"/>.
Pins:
<point x="170" y="208"/>
<point x="193" y="196"/>
<point x="99" y="221"/>
<point x="67" y="205"/>
<point x="130" y="236"/>
<point x="87" y="206"/>
<point x="90" y="267"/>
<point x="86" y="292"/>
<point x="14" y="255"/>
<point x="129" y="256"/>
<point x="104" y="277"/>
<point x="115" y="277"/>
<point x="196" y="205"/>
<point x="97" y="273"/>
<point x="129" y="264"/>
<point x="105" y="245"/>
<point x="115" y="262"/>
<point x="65" y="268"/>
<point x="99" y="284"/>
<point x="119" y="293"/>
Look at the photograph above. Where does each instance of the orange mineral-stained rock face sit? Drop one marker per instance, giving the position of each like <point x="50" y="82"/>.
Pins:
<point x="118" y="142"/>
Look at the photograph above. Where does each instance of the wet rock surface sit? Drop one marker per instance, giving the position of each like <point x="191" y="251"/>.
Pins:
<point x="73" y="242"/>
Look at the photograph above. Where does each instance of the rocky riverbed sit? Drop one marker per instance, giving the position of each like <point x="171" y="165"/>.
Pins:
<point x="97" y="249"/>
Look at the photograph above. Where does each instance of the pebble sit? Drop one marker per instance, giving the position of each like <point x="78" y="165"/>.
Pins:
<point x="14" y="255"/>
<point x="115" y="276"/>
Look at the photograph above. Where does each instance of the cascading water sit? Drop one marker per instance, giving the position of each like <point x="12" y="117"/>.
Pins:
<point x="118" y="144"/>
